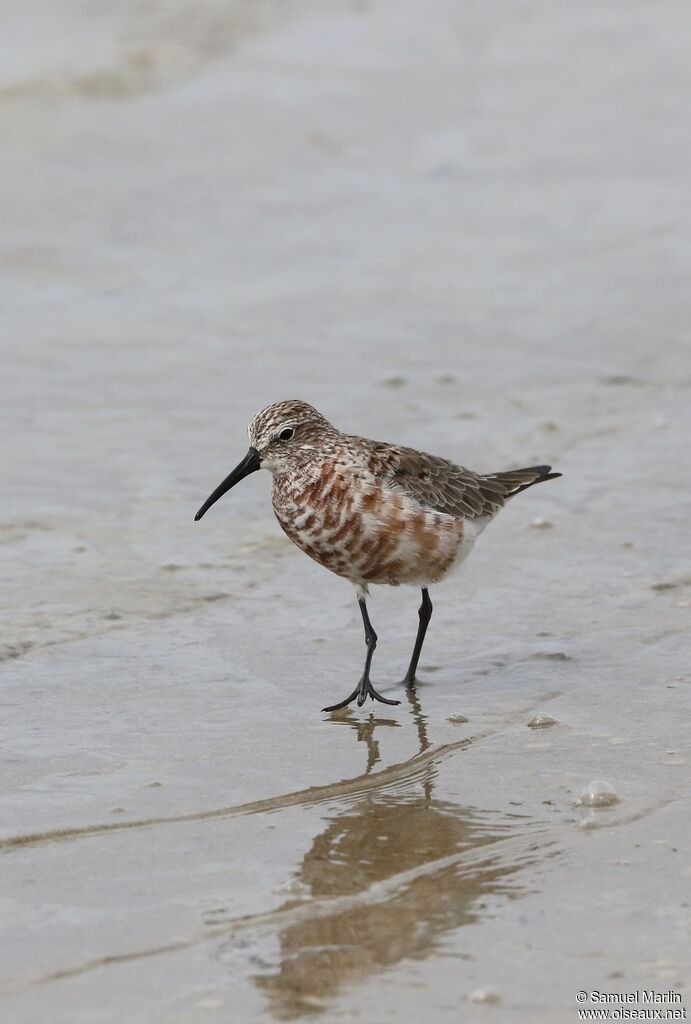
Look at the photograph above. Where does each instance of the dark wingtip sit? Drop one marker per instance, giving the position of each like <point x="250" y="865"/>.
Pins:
<point x="545" y="473"/>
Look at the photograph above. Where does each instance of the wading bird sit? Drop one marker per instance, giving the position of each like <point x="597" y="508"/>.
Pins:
<point x="372" y="512"/>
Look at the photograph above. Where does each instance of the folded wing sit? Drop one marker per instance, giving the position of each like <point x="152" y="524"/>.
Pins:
<point x="438" y="484"/>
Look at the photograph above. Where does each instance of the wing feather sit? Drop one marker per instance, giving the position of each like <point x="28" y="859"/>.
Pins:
<point x="440" y="485"/>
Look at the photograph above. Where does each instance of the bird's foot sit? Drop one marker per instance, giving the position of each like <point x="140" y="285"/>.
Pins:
<point x="362" y="691"/>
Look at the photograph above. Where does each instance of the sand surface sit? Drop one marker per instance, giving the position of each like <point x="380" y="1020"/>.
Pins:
<point x="458" y="226"/>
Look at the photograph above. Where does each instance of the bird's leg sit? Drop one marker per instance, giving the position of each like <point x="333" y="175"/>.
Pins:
<point x="425" y="614"/>
<point x="364" y="688"/>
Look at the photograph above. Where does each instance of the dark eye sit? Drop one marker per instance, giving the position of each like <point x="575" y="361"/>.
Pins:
<point x="286" y="434"/>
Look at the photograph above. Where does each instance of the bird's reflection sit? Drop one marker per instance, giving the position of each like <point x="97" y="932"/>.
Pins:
<point x="365" y="729"/>
<point x="381" y="883"/>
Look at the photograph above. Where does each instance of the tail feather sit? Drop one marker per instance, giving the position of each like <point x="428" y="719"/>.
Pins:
<point x="516" y="480"/>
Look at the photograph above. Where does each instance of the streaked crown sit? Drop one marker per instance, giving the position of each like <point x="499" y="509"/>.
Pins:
<point x="286" y="428"/>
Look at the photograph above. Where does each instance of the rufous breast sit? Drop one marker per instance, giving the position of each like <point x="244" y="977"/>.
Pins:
<point x="363" y="530"/>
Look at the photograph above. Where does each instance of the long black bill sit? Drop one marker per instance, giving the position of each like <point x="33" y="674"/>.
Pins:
<point x="250" y="464"/>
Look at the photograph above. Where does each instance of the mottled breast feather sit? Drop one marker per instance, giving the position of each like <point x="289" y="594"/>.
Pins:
<point x="348" y="515"/>
<point x="379" y="513"/>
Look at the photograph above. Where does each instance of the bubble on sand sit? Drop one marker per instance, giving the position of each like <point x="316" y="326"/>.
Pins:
<point x="598" y="793"/>
<point x="541" y="721"/>
<point x="457" y="719"/>
<point x="294" y="888"/>
<point x="541" y="524"/>
<point x="484" y="995"/>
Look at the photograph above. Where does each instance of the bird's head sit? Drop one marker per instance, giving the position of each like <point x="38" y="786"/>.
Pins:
<point x="279" y="436"/>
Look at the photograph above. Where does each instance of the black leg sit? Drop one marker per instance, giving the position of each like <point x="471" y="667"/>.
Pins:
<point x="425" y="613"/>
<point x="364" y="688"/>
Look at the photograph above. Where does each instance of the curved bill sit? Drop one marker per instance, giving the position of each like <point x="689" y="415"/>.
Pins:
<point x="250" y="464"/>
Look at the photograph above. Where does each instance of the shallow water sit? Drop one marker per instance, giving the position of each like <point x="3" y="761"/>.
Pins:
<point x="460" y="233"/>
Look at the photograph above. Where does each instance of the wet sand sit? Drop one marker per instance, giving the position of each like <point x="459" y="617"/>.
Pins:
<point x="464" y="233"/>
